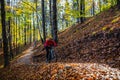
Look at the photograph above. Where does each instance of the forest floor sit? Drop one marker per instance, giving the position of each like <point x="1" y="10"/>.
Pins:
<point x="88" y="51"/>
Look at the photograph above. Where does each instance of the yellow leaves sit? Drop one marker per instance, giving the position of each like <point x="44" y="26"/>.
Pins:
<point x="28" y="21"/>
<point x="111" y="28"/>
<point x="67" y="17"/>
<point x="28" y="5"/>
<point x="104" y="28"/>
<point x="93" y="33"/>
<point x="53" y="77"/>
<point x="19" y="11"/>
<point x="115" y="20"/>
<point x="7" y="8"/>
<point x="58" y="1"/>
<point x="14" y="8"/>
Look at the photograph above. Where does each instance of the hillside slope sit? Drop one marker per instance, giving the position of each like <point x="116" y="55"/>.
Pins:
<point x="96" y="41"/>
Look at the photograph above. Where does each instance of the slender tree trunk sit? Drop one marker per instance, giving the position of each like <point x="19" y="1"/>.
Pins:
<point x="33" y="27"/>
<point x="43" y="21"/>
<point x="93" y="8"/>
<point x="16" y="35"/>
<point x="19" y="46"/>
<point x="78" y="10"/>
<point x="4" y="35"/>
<point x="25" y="39"/>
<point x="10" y="37"/>
<point x="100" y="5"/>
<point x="23" y="35"/>
<point x="9" y="33"/>
<point x="40" y="35"/>
<point x="118" y="3"/>
<point x="38" y="22"/>
<point x="55" y="36"/>
<point x="1" y="43"/>
<point x="30" y="32"/>
<point x="14" y="44"/>
<point x="50" y="16"/>
<point x="82" y="10"/>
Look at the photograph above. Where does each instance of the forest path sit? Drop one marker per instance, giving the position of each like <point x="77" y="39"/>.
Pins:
<point x="27" y="57"/>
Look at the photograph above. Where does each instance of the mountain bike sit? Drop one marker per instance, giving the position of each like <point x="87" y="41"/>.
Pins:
<point x="52" y="55"/>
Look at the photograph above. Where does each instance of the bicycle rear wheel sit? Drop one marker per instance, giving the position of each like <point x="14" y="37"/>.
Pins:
<point x="54" y="55"/>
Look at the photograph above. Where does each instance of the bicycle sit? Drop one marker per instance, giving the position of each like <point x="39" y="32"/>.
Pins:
<point x="52" y="55"/>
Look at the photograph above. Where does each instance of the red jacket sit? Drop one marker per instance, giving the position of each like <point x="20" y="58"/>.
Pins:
<point x="49" y="43"/>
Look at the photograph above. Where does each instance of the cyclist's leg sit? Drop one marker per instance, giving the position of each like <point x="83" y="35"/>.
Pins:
<point x="54" y="56"/>
<point x="52" y="53"/>
<point x="47" y="54"/>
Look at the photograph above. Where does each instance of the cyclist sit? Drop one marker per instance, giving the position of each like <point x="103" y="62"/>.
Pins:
<point x="49" y="44"/>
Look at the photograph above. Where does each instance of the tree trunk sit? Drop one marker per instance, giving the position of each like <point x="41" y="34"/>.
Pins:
<point x="9" y="32"/>
<point x="33" y="27"/>
<point x="30" y="33"/>
<point x="118" y="3"/>
<point x="19" y="46"/>
<point x="82" y="10"/>
<point x="25" y="39"/>
<point x="50" y="16"/>
<point x="9" y="38"/>
<point x="55" y="36"/>
<point x="100" y="5"/>
<point x="78" y="20"/>
<point x="43" y="21"/>
<point x="38" y="24"/>
<point x="93" y="8"/>
<point x="4" y="35"/>
<point x="16" y="35"/>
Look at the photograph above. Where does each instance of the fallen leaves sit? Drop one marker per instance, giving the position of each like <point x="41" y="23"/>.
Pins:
<point x="87" y="51"/>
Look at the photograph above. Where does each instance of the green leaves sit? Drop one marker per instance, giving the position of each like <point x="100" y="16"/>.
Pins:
<point x="8" y="15"/>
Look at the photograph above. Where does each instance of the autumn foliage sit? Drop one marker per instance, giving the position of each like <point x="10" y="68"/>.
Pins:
<point x="88" y="51"/>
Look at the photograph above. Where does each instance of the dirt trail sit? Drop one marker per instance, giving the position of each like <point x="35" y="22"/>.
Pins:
<point x="26" y="58"/>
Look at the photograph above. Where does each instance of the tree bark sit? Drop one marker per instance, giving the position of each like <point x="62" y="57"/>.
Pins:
<point x="82" y="10"/>
<point x="9" y="33"/>
<point x="4" y="35"/>
<point x="30" y="33"/>
<point x="10" y="39"/>
<point x="55" y="30"/>
<point x="43" y="21"/>
<point x="93" y="8"/>
<point x="50" y="13"/>
<point x="16" y="35"/>
<point x="78" y="19"/>
<point x="33" y="27"/>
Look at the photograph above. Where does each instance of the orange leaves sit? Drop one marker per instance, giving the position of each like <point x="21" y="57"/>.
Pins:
<point x="54" y="71"/>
